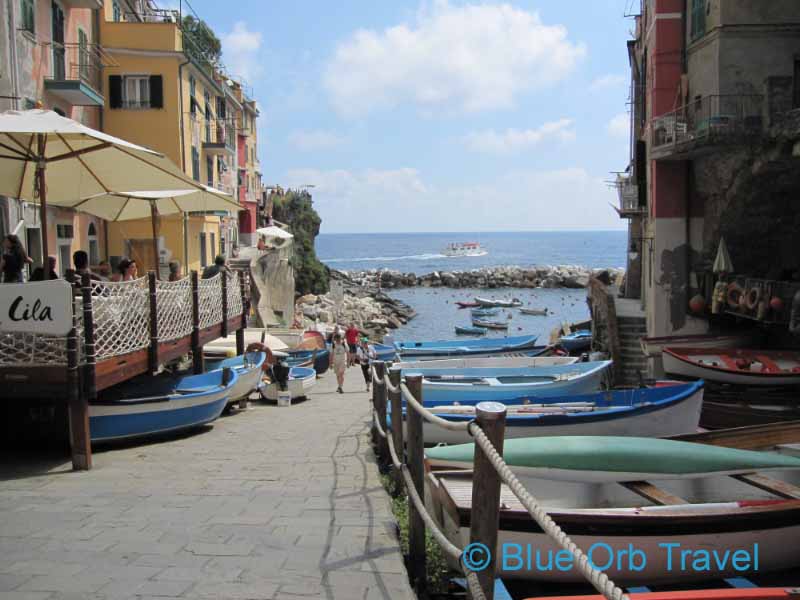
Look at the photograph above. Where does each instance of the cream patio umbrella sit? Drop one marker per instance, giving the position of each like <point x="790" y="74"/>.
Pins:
<point x="45" y="157"/>
<point x="128" y="206"/>
<point x="274" y="235"/>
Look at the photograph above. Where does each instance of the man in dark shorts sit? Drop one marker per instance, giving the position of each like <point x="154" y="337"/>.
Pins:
<point x="351" y="337"/>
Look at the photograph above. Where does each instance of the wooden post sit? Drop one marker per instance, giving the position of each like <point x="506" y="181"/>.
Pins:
<point x="396" y="406"/>
<point x="79" y="436"/>
<point x="379" y="393"/>
<point x="154" y="225"/>
<point x="197" y="350"/>
<point x="416" y="467"/>
<point x="243" y="325"/>
<point x="152" y="353"/>
<point x="224" y="283"/>
<point x="485" y="514"/>
<point x="41" y="166"/>
<point x="90" y="370"/>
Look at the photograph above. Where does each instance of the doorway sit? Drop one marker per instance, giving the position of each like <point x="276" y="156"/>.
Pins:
<point x="59" y="63"/>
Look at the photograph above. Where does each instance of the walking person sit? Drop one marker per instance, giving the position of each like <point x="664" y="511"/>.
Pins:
<point x="365" y="354"/>
<point x="13" y="260"/>
<point x="351" y="335"/>
<point x="339" y="353"/>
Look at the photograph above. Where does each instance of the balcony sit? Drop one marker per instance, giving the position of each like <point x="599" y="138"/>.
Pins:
<point x="219" y="136"/>
<point x="92" y="4"/>
<point x="705" y="124"/>
<point x="628" y="197"/>
<point x="77" y="73"/>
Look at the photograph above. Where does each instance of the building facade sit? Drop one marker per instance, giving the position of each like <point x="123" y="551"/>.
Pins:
<point x="714" y="84"/>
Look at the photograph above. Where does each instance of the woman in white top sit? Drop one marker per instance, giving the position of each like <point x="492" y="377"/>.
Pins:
<point x="339" y="354"/>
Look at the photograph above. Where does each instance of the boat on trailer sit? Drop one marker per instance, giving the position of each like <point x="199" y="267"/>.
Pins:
<point x="730" y="365"/>
<point x="448" y="348"/>
<point x="165" y="403"/>
<point x="667" y="409"/>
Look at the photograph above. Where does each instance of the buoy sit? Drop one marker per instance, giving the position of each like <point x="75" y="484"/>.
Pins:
<point x="752" y="297"/>
<point x="734" y="294"/>
<point x="776" y="304"/>
<point x="697" y="304"/>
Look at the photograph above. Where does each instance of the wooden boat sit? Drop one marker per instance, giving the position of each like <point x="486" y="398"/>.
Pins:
<point x="724" y="415"/>
<point x="536" y="312"/>
<point x="488" y="363"/>
<point x="577" y="341"/>
<point x="164" y="403"/>
<point x="319" y="360"/>
<point x="728" y="365"/>
<point x="737" y="593"/>
<point x="484" y="312"/>
<point x="470" y="331"/>
<point x="653" y="346"/>
<point x="467" y="304"/>
<point x="449" y="348"/>
<point x="490" y="324"/>
<point x="667" y="409"/>
<point x="301" y="381"/>
<point x="503" y="303"/>
<point x="248" y="367"/>
<point x="492" y="384"/>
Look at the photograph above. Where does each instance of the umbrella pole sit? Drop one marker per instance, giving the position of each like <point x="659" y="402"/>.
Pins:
<point x="154" y="222"/>
<point x="40" y="174"/>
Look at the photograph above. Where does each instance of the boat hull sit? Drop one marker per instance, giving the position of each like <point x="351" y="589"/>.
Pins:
<point x="521" y="362"/>
<point x="301" y="382"/>
<point x="653" y="346"/>
<point x="249" y="372"/>
<point x="682" y="362"/>
<point x="725" y="415"/>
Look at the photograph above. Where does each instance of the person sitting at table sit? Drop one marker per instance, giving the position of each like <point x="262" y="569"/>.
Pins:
<point x="38" y="272"/>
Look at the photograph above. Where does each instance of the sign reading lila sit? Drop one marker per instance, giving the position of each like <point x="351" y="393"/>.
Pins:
<point x="38" y="307"/>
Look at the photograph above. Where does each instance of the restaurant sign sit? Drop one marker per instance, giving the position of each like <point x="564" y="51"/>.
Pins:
<point x="36" y="307"/>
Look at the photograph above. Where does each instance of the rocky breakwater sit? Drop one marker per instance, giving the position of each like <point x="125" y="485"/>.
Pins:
<point x="563" y="276"/>
<point x="350" y="301"/>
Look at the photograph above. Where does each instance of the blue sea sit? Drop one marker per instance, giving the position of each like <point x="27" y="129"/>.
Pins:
<point x="437" y="313"/>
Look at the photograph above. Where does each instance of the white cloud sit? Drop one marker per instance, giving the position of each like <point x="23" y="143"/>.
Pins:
<point x="610" y="80"/>
<point x="315" y="140"/>
<point x="240" y="48"/>
<point x="401" y="200"/>
<point x="620" y="125"/>
<point x="453" y="58"/>
<point x="514" y="140"/>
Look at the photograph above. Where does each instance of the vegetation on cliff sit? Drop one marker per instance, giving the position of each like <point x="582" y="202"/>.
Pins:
<point x="296" y="209"/>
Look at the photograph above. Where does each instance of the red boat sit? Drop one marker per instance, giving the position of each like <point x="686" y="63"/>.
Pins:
<point x="467" y="304"/>
<point x="728" y="365"/>
<point x="721" y="594"/>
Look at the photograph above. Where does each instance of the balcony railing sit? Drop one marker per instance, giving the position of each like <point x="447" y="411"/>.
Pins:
<point x="628" y="196"/>
<point x="153" y="15"/>
<point x="76" y="65"/>
<point x="708" y="120"/>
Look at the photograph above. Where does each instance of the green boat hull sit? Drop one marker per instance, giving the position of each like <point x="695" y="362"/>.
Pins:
<point x="609" y="459"/>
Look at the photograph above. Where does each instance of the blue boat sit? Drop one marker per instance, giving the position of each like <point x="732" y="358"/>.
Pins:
<point x="665" y="410"/>
<point x="384" y="352"/>
<point x="470" y="331"/>
<point x="152" y="405"/>
<point x="484" y="347"/>
<point x="577" y="341"/>
<point x="248" y="367"/>
<point x="305" y="358"/>
<point x="499" y="384"/>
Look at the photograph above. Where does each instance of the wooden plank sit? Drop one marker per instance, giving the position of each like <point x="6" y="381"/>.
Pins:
<point x="753" y="437"/>
<point x="652" y="493"/>
<point x="416" y="467"/>
<point x="121" y="368"/>
<point x="168" y="351"/>
<point x="773" y="486"/>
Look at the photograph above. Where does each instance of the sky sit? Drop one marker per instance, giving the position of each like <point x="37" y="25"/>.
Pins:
<point x="437" y="115"/>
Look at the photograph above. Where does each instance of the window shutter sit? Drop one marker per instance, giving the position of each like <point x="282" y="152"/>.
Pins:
<point x="115" y="91"/>
<point x="156" y="91"/>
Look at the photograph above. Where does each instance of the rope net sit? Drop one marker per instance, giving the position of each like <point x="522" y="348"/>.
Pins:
<point x="235" y="307"/>
<point x="34" y="349"/>
<point x="174" y="309"/>
<point x="121" y="317"/>
<point x="210" y="292"/>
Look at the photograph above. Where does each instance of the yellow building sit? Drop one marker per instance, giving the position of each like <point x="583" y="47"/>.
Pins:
<point x="160" y="97"/>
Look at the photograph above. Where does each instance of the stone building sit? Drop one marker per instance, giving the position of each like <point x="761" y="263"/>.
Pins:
<point x="715" y="93"/>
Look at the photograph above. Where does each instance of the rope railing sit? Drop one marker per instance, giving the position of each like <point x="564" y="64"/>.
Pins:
<point x="599" y="580"/>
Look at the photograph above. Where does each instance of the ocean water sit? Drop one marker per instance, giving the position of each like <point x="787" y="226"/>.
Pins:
<point x="437" y="313"/>
<point x="422" y="252"/>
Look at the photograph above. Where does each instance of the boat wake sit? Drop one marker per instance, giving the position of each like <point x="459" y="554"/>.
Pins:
<point x="385" y="258"/>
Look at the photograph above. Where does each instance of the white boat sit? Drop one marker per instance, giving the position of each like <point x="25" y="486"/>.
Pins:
<point x="732" y="365"/>
<point x="489" y="363"/>
<point x="248" y="368"/>
<point x="502" y="303"/>
<point x="653" y="346"/>
<point x="460" y="249"/>
<point x="535" y="312"/>
<point x="301" y="381"/>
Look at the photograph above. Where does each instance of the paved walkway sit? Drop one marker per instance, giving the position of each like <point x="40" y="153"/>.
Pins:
<point x="270" y="503"/>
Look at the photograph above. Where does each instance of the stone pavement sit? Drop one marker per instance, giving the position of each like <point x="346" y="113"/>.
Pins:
<point x="269" y="503"/>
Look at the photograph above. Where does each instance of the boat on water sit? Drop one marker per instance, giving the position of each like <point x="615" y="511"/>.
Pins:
<point x="461" y="249"/>
<point x="493" y="384"/>
<point x="654" y="346"/>
<point x="491" y="362"/>
<point x="664" y="410"/>
<point x="319" y="360"/>
<point x="535" y="312"/>
<point x="470" y="330"/>
<point x="501" y="325"/>
<point x="484" y="312"/>
<point x="502" y="303"/>
<point x="445" y="348"/>
<point x="165" y="403"/>
<point x="576" y="341"/>
<point x="467" y="304"/>
<point x="248" y="367"/>
<point x="301" y="381"/>
<point x="730" y="365"/>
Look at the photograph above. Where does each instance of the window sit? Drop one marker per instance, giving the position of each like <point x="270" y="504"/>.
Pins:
<point x="213" y="243"/>
<point x="195" y="164"/>
<point x="83" y="54"/>
<point x="116" y="11"/>
<point x="28" y="16"/>
<point x="203" y="257"/>
<point x="64" y="231"/>
<point x="136" y="91"/>
<point x="210" y="170"/>
<point x="94" y="248"/>
<point x="698" y="19"/>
